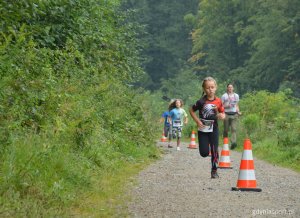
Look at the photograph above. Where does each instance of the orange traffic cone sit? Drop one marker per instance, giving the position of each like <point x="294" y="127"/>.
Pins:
<point x="163" y="137"/>
<point x="193" y="141"/>
<point x="246" y="180"/>
<point x="225" y="156"/>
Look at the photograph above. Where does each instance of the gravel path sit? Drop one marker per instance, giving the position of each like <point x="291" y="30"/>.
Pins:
<point x="179" y="185"/>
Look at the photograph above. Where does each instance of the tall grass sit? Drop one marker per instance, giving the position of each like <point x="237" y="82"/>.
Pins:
<point x="272" y="122"/>
<point x="45" y="174"/>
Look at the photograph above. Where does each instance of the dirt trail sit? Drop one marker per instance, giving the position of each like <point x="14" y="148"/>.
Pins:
<point x="179" y="185"/>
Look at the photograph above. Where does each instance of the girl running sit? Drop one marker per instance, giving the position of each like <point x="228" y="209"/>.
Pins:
<point x="177" y="118"/>
<point x="210" y="110"/>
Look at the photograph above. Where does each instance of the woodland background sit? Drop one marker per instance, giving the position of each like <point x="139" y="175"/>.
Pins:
<point x="82" y="84"/>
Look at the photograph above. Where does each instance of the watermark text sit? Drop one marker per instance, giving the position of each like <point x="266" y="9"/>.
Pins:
<point x="282" y="212"/>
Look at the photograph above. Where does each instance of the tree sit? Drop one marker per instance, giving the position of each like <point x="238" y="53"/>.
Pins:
<point x="167" y="43"/>
<point x="252" y="43"/>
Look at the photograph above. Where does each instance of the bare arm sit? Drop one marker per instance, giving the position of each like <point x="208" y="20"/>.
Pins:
<point x="221" y="115"/>
<point x="186" y="120"/>
<point x="238" y="110"/>
<point x="169" y="119"/>
<point x="195" y="118"/>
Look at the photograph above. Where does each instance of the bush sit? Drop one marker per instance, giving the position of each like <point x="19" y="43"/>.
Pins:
<point x="276" y="116"/>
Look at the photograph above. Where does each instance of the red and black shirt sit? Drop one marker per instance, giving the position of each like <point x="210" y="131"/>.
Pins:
<point x="208" y="108"/>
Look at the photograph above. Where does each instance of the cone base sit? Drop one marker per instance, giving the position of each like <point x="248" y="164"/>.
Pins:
<point x="246" y="189"/>
<point x="192" y="147"/>
<point x="225" y="167"/>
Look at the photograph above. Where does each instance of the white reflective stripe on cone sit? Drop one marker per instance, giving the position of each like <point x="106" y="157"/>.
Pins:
<point x="225" y="159"/>
<point x="247" y="175"/>
<point x="247" y="155"/>
<point x="225" y="147"/>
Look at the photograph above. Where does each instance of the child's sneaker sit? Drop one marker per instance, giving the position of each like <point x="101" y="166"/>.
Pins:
<point x="170" y="146"/>
<point x="214" y="174"/>
<point x="178" y="148"/>
<point x="233" y="146"/>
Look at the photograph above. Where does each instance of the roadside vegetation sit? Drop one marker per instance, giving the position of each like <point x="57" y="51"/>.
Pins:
<point x="69" y="118"/>
<point x="272" y="122"/>
<point x="76" y="120"/>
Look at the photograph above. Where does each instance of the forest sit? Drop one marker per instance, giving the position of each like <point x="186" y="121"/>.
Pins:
<point x="82" y="84"/>
<point x="254" y="44"/>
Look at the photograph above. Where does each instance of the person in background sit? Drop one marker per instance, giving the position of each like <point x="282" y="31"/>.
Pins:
<point x="230" y="101"/>
<point x="210" y="110"/>
<point x="167" y="125"/>
<point x="177" y="118"/>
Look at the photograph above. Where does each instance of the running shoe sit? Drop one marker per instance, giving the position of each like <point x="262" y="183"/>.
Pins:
<point x="233" y="145"/>
<point x="178" y="148"/>
<point x="214" y="174"/>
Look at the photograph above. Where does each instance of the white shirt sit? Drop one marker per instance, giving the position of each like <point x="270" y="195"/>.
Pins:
<point x="230" y="101"/>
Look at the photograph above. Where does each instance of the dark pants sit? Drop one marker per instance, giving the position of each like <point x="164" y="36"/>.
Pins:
<point x="168" y="132"/>
<point x="211" y="139"/>
<point x="230" y="124"/>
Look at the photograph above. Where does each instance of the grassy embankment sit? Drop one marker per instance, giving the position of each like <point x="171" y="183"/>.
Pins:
<point x="272" y="122"/>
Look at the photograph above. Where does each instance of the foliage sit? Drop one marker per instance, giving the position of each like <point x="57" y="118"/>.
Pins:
<point x="272" y="121"/>
<point x="167" y="42"/>
<point x="67" y="112"/>
<point x="69" y="115"/>
<point x="252" y="43"/>
<point x="185" y="86"/>
<point x="251" y="122"/>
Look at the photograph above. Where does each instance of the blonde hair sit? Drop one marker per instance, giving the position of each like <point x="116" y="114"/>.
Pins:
<point x="209" y="78"/>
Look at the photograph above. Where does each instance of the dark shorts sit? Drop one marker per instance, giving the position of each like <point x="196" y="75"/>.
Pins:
<point x="167" y="131"/>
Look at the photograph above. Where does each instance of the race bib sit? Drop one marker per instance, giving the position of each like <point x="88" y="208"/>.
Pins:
<point x="209" y="125"/>
<point x="177" y="123"/>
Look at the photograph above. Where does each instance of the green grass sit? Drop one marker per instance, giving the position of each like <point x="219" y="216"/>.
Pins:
<point x="288" y="157"/>
<point x="109" y="195"/>
<point x="268" y="150"/>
